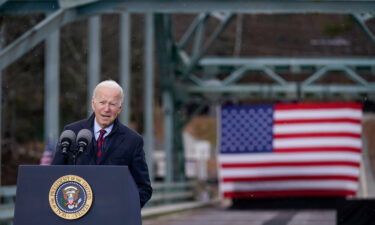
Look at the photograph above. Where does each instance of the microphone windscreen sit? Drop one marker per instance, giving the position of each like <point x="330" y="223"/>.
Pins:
<point x="84" y="135"/>
<point x="67" y="135"/>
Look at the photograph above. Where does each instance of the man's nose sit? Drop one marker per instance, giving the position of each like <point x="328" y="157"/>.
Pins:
<point x="107" y="107"/>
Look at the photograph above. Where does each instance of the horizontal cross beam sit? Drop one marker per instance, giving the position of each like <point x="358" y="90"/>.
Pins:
<point x="279" y="61"/>
<point x="288" y="88"/>
<point x="199" y="6"/>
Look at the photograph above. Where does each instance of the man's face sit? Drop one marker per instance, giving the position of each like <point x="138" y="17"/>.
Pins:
<point x="106" y="105"/>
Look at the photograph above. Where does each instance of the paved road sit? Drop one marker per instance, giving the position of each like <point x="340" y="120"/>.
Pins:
<point x="220" y="216"/>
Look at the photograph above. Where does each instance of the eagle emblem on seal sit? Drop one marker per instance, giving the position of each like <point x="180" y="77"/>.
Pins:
<point x="71" y="195"/>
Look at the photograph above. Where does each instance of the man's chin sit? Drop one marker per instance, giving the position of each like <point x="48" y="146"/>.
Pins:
<point x="105" y="123"/>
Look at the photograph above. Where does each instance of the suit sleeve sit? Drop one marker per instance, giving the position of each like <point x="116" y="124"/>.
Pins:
<point x="58" y="158"/>
<point x="140" y="173"/>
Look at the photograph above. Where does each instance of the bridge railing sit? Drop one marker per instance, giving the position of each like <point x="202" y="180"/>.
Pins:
<point x="164" y="193"/>
<point x="7" y="203"/>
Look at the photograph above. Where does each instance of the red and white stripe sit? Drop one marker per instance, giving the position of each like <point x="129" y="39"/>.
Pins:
<point x="317" y="150"/>
<point x="46" y="159"/>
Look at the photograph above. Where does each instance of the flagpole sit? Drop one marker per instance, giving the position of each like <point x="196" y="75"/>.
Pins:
<point x="2" y="38"/>
<point x="363" y="166"/>
<point x="218" y="141"/>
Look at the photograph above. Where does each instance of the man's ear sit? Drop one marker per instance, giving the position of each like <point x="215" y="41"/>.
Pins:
<point x="92" y="104"/>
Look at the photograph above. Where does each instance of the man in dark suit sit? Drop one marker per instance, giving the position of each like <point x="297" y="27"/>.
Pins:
<point x="113" y="143"/>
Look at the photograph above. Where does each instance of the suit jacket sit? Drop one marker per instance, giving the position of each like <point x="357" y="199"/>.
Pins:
<point x="123" y="146"/>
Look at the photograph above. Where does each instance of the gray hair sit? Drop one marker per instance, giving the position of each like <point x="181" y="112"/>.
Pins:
<point x="109" y="84"/>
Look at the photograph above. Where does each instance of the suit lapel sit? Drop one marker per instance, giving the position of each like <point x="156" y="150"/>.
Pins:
<point x="109" y="149"/>
<point x="114" y="140"/>
<point x="90" y="153"/>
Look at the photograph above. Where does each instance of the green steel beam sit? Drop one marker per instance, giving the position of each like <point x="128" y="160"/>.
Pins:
<point x="278" y="61"/>
<point x="168" y="108"/>
<point x="198" y="81"/>
<point x="29" y="7"/>
<point x="238" y="74"/>
<point x="35" y="35"/>
<point x="149" y="100"/>
<point x="232" y="6"/>
<point x="280" y="85"/>
<point x="354" y="76"/>
<point x="198" y="55"/>
<point x="235" y="76"/>
<point x="172" y="101"/>
<point x="125" y="65"/>
<point x="198" y="40"/>
<point x="318" y="74"/>
<point x="347" y="89"/>
<point x="323" y="71"/>
<point x="199" y="6"/>
<point x="201" y="18"/>
<point x="164" y="49"/>
<point x="361" y="20"/>
<point x="2" y="40"/>
<point x="2" y="2"/>
<point x="229" y="85"/>
<point x="273" y="75"/>
<point x="275" y="88"/>
<point x="94" y="58"/>
<point x="74" y="3"/>
<point x="52" y="88"/>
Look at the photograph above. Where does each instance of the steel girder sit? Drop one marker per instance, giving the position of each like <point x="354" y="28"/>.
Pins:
<point x="179" y="69"/>
<point x="192" y="68"/>
<point x="172" y="103"/>
<point x="81" y="9"/>
<point x="2" y="2"/>
<point x="320" y="67"/>
<point x="193" y="6"/>
<point x="35" y="35"/>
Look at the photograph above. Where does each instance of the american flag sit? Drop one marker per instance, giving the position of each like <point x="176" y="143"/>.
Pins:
<point x="47" y="156"/>
<point x="297" y="149"/>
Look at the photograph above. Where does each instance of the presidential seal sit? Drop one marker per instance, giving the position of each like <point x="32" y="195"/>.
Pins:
<point x="70" y="197"/>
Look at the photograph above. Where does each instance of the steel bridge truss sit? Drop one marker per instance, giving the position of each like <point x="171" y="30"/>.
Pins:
<point x="184" y="74"/>
<point x="299" y="76"/>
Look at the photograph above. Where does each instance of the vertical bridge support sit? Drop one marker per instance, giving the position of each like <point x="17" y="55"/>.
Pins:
<point x="52" y="89"/>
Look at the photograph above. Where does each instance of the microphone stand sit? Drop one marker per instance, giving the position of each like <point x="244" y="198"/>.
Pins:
<point x="74" y="158"/>
<point x="64" y="151"/>
<point x="80" y="150"/>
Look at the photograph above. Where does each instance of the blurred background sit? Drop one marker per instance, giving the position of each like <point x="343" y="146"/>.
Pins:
<point x="179" y="63"/>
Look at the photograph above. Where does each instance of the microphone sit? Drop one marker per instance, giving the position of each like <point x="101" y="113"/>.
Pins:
<point x="66" y="139"/>
<point x="84" y="138"/>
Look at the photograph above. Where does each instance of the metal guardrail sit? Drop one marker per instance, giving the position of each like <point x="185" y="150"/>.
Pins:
<point x="165" y="193"/>
<point x="7" y="203"/>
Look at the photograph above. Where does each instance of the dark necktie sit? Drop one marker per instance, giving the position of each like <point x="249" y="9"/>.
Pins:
<point x="100" y="144"/>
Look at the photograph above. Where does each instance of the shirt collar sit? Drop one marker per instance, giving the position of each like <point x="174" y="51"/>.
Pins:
<point x="97" y="129"/>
